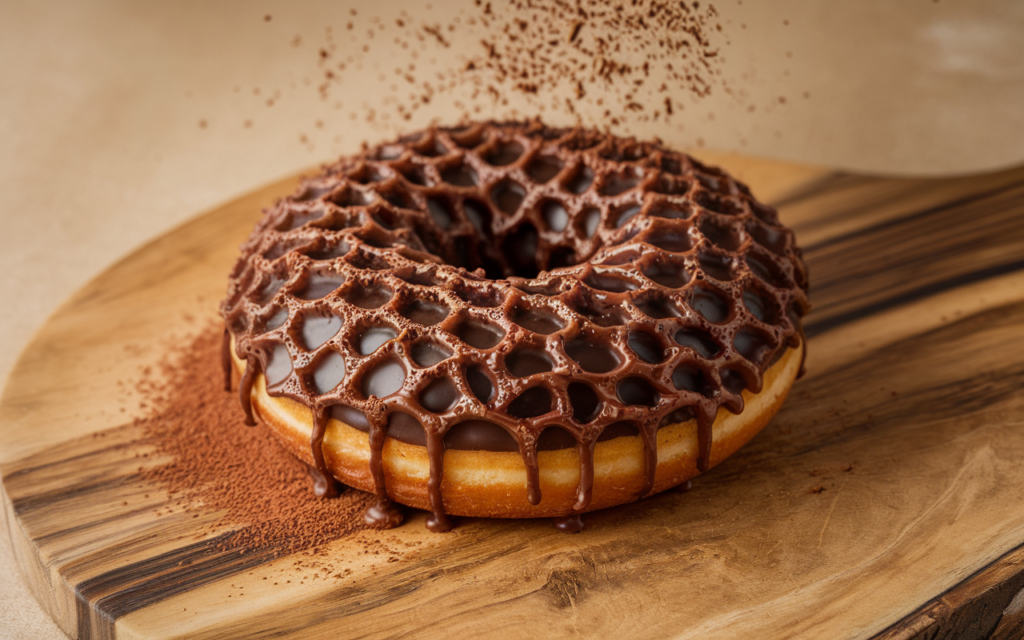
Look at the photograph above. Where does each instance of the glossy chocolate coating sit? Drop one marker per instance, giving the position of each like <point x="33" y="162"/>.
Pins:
<point x="473" y="288"/>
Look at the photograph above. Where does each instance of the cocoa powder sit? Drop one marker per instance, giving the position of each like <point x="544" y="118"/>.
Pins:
<point x="218" y="465"/>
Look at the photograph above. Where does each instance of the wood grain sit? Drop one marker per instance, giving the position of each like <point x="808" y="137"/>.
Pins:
<point x="883" y="501"/>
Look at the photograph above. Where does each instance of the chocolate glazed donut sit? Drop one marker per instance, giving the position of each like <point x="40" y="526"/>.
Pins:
<point x="507" y="288"/>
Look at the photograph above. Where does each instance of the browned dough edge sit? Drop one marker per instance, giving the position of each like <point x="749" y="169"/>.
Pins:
<point x="492" y="484"/>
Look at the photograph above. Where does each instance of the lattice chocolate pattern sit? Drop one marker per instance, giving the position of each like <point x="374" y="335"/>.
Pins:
<point x="486" y="283"/>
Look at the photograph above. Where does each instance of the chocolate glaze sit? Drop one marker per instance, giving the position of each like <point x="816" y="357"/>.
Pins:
<point x="591" y="287"/>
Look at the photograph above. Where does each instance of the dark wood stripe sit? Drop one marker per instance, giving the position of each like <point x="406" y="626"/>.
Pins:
<point x="816" y="327"/>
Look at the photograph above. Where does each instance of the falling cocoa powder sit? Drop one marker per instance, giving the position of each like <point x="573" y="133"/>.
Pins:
<point x="218" y="465"/>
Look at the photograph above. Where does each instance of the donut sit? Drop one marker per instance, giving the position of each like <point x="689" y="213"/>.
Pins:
<point x="509" y="320"/>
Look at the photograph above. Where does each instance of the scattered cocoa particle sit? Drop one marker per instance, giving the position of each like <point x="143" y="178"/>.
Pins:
<point x="218" y="465"/>
<point x="818" y="489"/>
<point x="202" y="124"/>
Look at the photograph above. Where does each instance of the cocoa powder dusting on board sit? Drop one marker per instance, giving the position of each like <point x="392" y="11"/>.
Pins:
<point x="217" y="464"/>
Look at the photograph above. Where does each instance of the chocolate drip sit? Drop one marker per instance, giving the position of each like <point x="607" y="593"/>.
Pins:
<point x="225" y="359"/>
<point x="324" y="484"/>
<point x="528" y="451"/>
<point x="585" y="489"/>
<point x="635" y="288"/>
<point x="649" y="432"/>
<point x="437" y="521"/>
<point x="383" y="514"/>
<point x="245" y="389"/>
<point x="572" y="523"/>
<point x="705" y="419"/>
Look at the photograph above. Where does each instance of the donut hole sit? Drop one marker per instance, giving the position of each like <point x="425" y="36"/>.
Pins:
<point x="351" y="416"/>
<point x="634" y="390"/>
<point x="721" y="235"/>
<point x="373" y="338"/>
<point x="479" y="215"/>
<point x="279" y="366"/>
<point x="543" y="168"/>
<point x="580" y="180"/>
<point x="671" y="211"/>
<point x="699" y="341"/>
<point x="667" y="271"/>
<point x="317" y="329"/>
<point x="508" y="195"/>
<point x="439" y="396"/>
<point x="733" y="381"/>
<point x="426" y="353"/>
<point x="584" y="401"/>
<point x="270" y="289"/>
<point x="561" y="257"/>
<point x="550" y="288"/>
<point x="460" y="175"/>
<point x="440" y="212"/>
<point x="536" y="320"/>
<point x="535" y="401"/>
<point x="710" y="305"/>
<point x="688" y="377"/>
<point x="320" y="285"/>
<point x="555" y="216"/>
<point x="625" y="214"/>
<point x="646" y="346"/>
<point x="405" y="428"/>
<point x="425" y="312"/>
<point x="520" y="249"/>
<point x="717" y="266"/>
<point x="479" y="435"/>
<point x="611" y="281"/>
<point x="388" y="152"/>
<point x="590" y="220"/>
<point x="775" y="240"/>
<point x="383" y="379"/>
<point x="328" y="372"/>
<point x="504" y="153"/>
<point x="592" y="357"/>
<point x="718" y="204"/>
<point x="479" y="334"/>
<point x="525" y="362"/>
<point x="276" y="320"/>
<point x="479" y="383"/>
<point x="656" y="306"/>
<point x="767" y="270"/>
<point x="368" y="296"/>
<point x="753" y="345"/>
<point x="330" y="251"/>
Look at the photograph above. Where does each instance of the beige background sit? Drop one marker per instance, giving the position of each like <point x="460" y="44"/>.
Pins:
<point x="101" y="105"/>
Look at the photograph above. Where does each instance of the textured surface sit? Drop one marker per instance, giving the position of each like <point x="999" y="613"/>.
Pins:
<point x="518" y="276"/>
<point x="880" y="500"/>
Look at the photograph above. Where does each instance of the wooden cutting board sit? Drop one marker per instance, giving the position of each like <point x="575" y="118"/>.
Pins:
<point x="886" y="500"/>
